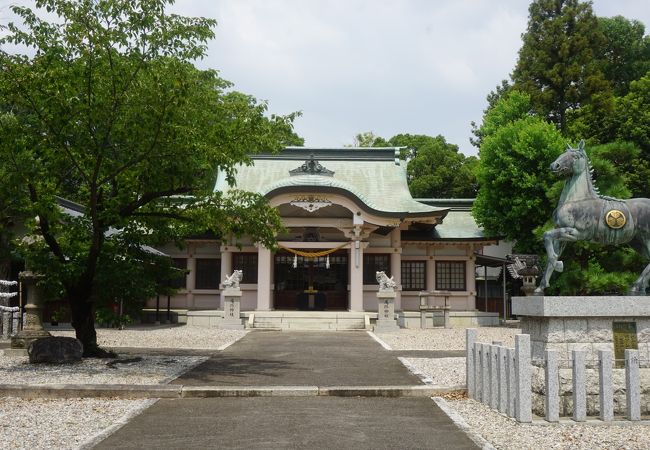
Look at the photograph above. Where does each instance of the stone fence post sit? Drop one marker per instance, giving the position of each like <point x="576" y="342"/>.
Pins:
<point x="523" y="407"/>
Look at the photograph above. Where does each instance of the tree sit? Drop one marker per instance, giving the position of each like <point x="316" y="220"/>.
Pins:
<point x="557" y="65"/>
<point x="369" y="139"/>
<point x="625" y="54"/>
<point x="435" y="168"/>
<point x="492" y="98"/>
<point x="630" y="122"/>
<point x="513" y="173"/>
<point x="111" y="113"/>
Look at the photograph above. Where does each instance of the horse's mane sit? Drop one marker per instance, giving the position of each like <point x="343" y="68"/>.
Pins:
<point x="590" y="174"/>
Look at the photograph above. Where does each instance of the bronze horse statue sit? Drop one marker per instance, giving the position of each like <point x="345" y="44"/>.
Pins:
<point x="582" y="214"/>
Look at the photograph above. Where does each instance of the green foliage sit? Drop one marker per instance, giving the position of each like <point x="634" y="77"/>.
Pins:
<point x="110" y="112"/>
<point x="593" y="270"/>
<point x="435" y="168"/>
<point x="105" y="316"/>
<point x="557" y="65"/>
<point x="625" y="54"/>
<point x="513" y="172"/>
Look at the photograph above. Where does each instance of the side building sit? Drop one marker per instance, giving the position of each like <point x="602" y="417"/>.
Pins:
<point x="348" y="213"/>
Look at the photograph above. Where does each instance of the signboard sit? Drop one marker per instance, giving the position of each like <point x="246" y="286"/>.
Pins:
<point x="624" y="337"/>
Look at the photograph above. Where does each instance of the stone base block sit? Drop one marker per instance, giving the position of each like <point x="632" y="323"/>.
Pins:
<point x="25" y="337"/>
<point x="14" y="352"/>
<point x="230" y="325"/>
<point x="386" y="326"/>
<point x="581" y="323"/>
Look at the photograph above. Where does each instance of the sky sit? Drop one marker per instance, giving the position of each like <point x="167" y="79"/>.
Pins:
<point x="390" y="67"/>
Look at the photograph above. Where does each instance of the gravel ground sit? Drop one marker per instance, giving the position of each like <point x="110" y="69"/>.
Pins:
<point x="182" y="337"/>
<point x="504" y="433"/>
<point x="442" y="372"/>
<point x="148" y="370"/>
<point x="72" y="423"/>
<point x="445" y="339"/>
<point x="60" y="423"/>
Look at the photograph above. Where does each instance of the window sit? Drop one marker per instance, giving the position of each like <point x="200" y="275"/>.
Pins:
<point x="450" y="275"/>
<point x="247" y="263"/>
<point x="373" y="263"/>
<point x="179" y="282"/>
<point x="208" y="272"/>
<point x="413" y="275"/>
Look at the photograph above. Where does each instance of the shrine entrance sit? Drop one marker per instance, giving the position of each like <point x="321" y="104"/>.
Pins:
<point x="311" y="283"/>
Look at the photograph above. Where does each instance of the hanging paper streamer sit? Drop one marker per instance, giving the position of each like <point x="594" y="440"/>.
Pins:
<point x="295" y="261"/>
<point x="327" y="262"/>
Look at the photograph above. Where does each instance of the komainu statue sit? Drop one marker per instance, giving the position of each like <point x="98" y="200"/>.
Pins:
<point x="232" y="281"/>
<point x="582" y="214"/>
<point x="385" y="283"/>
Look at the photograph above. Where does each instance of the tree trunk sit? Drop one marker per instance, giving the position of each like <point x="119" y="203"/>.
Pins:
<point x="83" y="321"/>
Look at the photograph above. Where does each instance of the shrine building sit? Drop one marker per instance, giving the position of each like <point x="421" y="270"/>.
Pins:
<point x="348" y="214"/>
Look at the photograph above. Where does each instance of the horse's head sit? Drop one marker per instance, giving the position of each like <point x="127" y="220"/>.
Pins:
<point x="572" y="161"/>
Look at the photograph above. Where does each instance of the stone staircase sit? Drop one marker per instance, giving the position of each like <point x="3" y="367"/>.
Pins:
<point x="309" y="320"/>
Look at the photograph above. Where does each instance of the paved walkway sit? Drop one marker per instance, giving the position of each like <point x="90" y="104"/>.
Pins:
<point x="295" y="358"/>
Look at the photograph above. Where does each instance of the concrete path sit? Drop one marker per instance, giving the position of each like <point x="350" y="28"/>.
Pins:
<point x="286" y="359"/>
<point x="302" y="358"/>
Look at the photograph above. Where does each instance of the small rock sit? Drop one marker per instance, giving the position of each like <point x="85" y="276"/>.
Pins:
<point x="55" y="350"/>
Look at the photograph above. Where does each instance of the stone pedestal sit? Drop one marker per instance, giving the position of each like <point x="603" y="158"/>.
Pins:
<point x="386" y="312"/>
<point x="231" y="309"/>
<point x="33" y="327"/>
<point x="565" y="324"/>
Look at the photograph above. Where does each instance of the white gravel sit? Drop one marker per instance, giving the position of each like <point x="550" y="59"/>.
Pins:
<point x="505" y="433"/>
<point x="181" y="337"/>
<point x="58" y="424"/>
<point x="149" y="370"/>
<point x="442" y="372"/>
<point x="445" y="339"/>
<point x="73" y="423"/>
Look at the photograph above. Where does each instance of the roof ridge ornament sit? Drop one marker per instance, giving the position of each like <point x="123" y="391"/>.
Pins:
<point x="311" y="167"/>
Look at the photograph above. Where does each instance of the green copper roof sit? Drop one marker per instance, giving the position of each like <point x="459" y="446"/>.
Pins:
<point x="376" y="178"/>
<point x="458" y="224"/>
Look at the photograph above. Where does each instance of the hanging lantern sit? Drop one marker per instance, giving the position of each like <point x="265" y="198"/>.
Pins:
<point x="295" y="261"/>
<point x="327" y="262"/>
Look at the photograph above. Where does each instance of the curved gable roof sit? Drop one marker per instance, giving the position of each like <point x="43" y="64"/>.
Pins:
<point x="373" y="177"/>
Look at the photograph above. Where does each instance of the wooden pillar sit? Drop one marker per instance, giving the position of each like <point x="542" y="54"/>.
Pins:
<point x="396" y="265"/>
<point x="226" y="268"/>
<point x="191" y="276"/>
<point x="264" y="267"/>
<point x="470" y="280"/>
<point x="356" y="275"/>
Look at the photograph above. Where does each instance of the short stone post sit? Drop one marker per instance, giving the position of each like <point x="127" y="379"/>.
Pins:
<point x="470" y="340"/>
<point x="579" y="386"/>
<point x="6" y="324"/>
<point x="606" y="389"/>
<point x="485" y="373"/>
<point x="386" y="311"/>
<point x="494" y="376"/>
<point x="512" y="392"/>
<point x="552" y="388"/>
<point x="478" y="373"/>
<point x="32" y="325"/>
<point x="502" y="354"/>
<point x="632" y="385"/>
<point x="523" y="407"/>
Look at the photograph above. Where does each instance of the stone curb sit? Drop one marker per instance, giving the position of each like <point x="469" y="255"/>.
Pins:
<point x="248" y="391"/>
<point x="181" y="391"/>
<point x="90" y="390"/>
